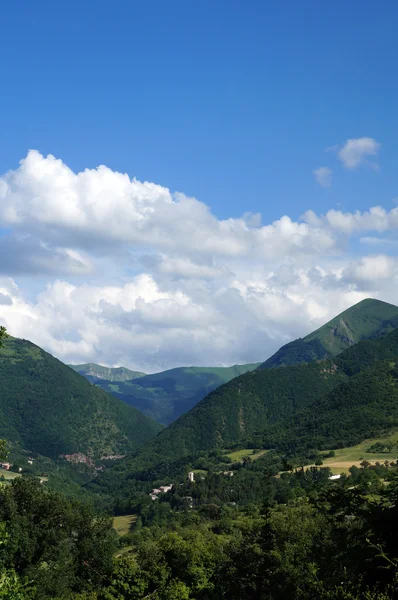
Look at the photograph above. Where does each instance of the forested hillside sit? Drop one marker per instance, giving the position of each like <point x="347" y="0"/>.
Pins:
<point x="167" y="395"/>
<point x="322" y="404"/>
<point x="47" y="407"/>
<point x="365" y="320"/>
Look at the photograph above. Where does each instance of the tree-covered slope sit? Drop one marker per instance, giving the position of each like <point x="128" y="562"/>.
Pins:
<point x="95" y="373"/>
<point x="311" y="405"/>
<point x="167" y="395"/>
<point x="361" y="408"/>
<point x="365" y="320"/>
<point x="47" y="407"/>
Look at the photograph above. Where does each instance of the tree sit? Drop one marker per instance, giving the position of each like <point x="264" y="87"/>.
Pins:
<point x="3" y="450"/>
<point x="3" y="335"/>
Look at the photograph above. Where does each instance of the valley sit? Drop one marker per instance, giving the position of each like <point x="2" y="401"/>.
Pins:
<point x="250" y="469"/>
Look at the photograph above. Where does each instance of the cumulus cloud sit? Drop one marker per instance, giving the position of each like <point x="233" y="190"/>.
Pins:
<point x="141" y="325"/>
<point x="28" y="255"/>
<point x="323" y="175"/>
<point x="375" y="219"/>
<point x="147" y="325"/>
<point x="101" y="209"/>
<point x="356" y="152"/>
<point x="139" y="276"/>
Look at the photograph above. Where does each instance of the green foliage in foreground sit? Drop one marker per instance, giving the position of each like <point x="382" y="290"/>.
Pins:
<point x="335" y="543"/>
<point x="54" y="545"/>
<point x="167" y="395"/>
<point x="48" y="408"/>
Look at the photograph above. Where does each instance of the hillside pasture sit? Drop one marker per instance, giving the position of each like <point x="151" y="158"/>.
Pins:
<point x="8" y="475"/>
<point x="123" y="524"/>
<point x="238" y="455"/>
<point x="345" y="458"/>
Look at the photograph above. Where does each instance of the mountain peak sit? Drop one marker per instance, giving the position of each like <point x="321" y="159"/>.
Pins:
<point x="367" y="319"/>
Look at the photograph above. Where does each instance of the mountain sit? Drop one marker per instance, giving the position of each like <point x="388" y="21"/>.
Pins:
<point x="363" y="407"/>
<point x="365" y="320"/>
<point x="48" y="408"/>
<point x="167" y="395"/>
<point x="95" y="373"/>
<point x="330" y="403"/>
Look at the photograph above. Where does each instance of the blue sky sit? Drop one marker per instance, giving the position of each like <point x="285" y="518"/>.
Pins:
<point x="231" y="102"/>
<point x="234" y="104"/>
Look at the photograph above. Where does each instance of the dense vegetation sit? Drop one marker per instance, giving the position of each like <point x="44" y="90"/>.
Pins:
<point x="304" y="537"/>
<point x="262" y="520"/>
<point x="326" y="404"/>
<point x="167" y="395"/>
<point x="365" y="320"/>
<point x="48" y="408"/>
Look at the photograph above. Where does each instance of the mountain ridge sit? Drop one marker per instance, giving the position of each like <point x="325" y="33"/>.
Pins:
<point x="365" y="320"/>
<point x="167" y="395"/>
<point x="93" y="372"/>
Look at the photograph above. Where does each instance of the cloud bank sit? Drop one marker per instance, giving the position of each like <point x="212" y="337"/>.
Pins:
<point x="96" y="266"/>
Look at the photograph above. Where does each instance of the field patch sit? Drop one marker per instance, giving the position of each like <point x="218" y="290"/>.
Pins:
<point x="8" y="475"/>
<point x="358" y="452"/>
<point x="240" y="454"/>
<point x="344" y="458"/>
<point x="123" y="524"/>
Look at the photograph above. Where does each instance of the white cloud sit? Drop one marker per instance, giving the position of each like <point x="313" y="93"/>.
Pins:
<point x="126" y="272"/>
<point x="356" y="152"/>
<point x="375" y="219"/>
<point x="145" y="325"/>
<point x="100" y="210"/>
<point x="323" y="175"/>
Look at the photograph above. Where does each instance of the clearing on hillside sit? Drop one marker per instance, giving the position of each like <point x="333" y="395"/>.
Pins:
<point x="237" y="455"/>
<point x="122" y="524"/>
<point x="8" y="475"/>
<point x="344" y="458"/>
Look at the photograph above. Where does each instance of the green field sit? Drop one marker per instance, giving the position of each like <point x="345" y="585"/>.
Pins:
<point x="347" y="457"/>
<point x="359" y="452"/>
<point x="239" y="454"/>
<point x="8" y="475"/>
<point x="123" y="524"/>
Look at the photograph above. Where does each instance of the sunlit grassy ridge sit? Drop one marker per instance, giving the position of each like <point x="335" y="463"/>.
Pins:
<point x="367" y="319"/>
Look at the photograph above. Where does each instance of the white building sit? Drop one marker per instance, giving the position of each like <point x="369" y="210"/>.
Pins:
<point x="191" y="476"/>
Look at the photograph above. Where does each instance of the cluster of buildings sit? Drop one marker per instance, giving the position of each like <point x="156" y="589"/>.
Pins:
<point x="161" y="490"/>
<point x="7" y="466"/>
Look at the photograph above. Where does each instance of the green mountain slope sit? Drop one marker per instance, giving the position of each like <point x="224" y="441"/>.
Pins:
<point x="47" y="407"/>
<point x="94" y="372"/>
<point x="167" y="395"/>
<point x="363" y="407"/>
<point x="322" y="404"/>
<point x="365" y="320"/>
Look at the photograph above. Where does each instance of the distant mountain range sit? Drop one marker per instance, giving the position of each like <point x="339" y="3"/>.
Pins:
<point x="48" y="408"/>
<point x="162" y="396"/>
<point x="96" y="373"/>
<point x="167" y="395"/>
